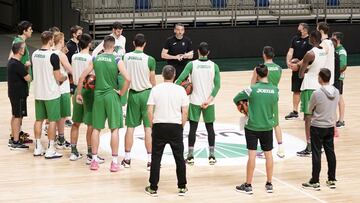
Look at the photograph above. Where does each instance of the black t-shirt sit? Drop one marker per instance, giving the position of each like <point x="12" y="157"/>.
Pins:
<point x="17" y="85"/>
<point x="73" y="49"/>
<point x="337" y="67"/>
<point x="300" y="46"/>
<point x="178" y="46"/>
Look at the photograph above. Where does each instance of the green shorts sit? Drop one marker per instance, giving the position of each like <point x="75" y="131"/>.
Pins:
<point x="107" y="106"/>
<point x="136" y="110"/>
<point x="83" y="112"/>
<point x="121" y="82"/>
<point x="47" y="109"/>
<point x="208" y="113"/>
<point x="305" y="100"/>
<point x="65" y="105"/>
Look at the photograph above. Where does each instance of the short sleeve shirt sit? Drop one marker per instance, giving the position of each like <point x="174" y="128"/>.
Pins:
<point x="178" y="46"/>
<point x="17" y="85"/>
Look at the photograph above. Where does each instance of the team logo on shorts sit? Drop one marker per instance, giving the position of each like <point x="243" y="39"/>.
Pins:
<point x="230" y="145"/>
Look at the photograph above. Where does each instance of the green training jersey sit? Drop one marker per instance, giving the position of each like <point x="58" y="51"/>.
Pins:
<point x="274" y="73"/>
<point x="340" y="50"/>
<point x="106" y="71"/>
<point x="262" y="100"/>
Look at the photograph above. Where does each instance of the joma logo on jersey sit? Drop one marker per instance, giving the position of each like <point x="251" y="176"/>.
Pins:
<point x="103" y="59"/>
<point x="39" y="56"/>
<point x="203" y="66"/>
<point x="273" y="68"/>
<point x="265" y="91"/>
<point x="135" y="58"/>
<point x="79" y="59"/>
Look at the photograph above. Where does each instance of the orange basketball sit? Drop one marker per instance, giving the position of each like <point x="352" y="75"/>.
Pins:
<point x="242" y="107"/>
<point x="90" y="82"/>
<point x="188" y="86"/>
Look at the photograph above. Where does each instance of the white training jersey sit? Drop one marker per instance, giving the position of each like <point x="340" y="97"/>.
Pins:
<point x="65" y="86"/>
<point x="330" y="57"/>
<point x="138" y="67"/>
<point x="45" y="85"/>
<point x="310" y="81"/>
<point x="202" y="78"/>
<point x="119" y="50"/>
<point x="79" y="62"/>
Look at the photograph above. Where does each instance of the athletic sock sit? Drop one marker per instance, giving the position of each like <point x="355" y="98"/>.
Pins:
<point x="212" y="151"/>
<point x="94" y="157"/>
<point x="37" y="143"/>
<point x="51" y="145"/>
<point x="127" y="156"/>
<point x="191" y="152"/>
<point x="115" y="158"/>
<point x="74" y="149"/>
<point x="149" y="157"/>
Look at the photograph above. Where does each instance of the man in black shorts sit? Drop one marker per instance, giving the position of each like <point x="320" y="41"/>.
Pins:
<point x="18" y="91"/>
<point x="262" y="98"/>
<point x="177" y="50"/>
<point x="299" y="46"/>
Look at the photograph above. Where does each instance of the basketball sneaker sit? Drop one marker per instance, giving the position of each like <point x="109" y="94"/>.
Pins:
<point x="75" y="156"/>
<point x="269" y="187"/>
<point x="190" y="160"/>
<point x="244" y="188"/>
<point x="148" y="166"/>
<point x="331" y="184"/>
<point x="212" y="160"/>
<point x="280" y="153"/>
<point x="312" y="186"/>
<point x="340" y="124"/>
<point x="151" y="192"/>
<point x="126" y="163"/>
<point x="89" y="159"/>
<point x="114" y="167"/>
<point x="292" y="115"/>
<point x="18" y="146"/>
<point x="182" y="191"/>
<point x="52" y="154"/>
<point x="38" y="151"/>
<point x="68" y="123"/>
<point x="94" y="166"/>
<point x="62" y="143"/>
<point x="304" y="153"/>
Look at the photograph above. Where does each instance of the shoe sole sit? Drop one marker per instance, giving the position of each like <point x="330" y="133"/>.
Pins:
<point x="290" y="119"/>
<point x="19" y="149"/>
<point x="212" y="163"/>
<point x="340" y="127"/>
<point x="114" y="171"/>
<point x="36" y="155"/>
<point x="53" y="157"/>
<point x="280" y="156"/>
<point x="242" y="191"/>
<point x="181" y="194"/>
<point x="269" y="191"/>
<point x="152" y="195"/>
<point x="94" y="169"/>
<point x="311" y="188"/>
<point x="75" y="159"/>
<point x="332" y="187"/>
<point x="300" y="155"/>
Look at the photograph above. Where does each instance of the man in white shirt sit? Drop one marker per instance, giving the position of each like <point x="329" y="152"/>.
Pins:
<point x="167" y="110"/>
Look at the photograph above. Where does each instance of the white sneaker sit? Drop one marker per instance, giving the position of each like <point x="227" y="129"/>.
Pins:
<point x="280" y="153"/>
<point x="39" y="151"/>
<point x="52" y="154"/>
<point x="89" y="159"/>
<point x="75" y="157"/>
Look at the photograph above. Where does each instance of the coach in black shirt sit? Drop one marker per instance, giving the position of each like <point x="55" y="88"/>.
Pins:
<point x="18" y="91"/>
<point x="298" y="48"/>
<point x="177" y="49"/>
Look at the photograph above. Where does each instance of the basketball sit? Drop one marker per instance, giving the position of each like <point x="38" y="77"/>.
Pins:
<point x="90" y="82"/>
<point x="243" y="107"/>
<point x="188" y="86"/>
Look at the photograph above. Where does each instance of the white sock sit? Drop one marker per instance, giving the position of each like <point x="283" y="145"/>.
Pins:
<point x="94" y="157"/>
<point x="149" y="157"/>
<point x="127" y="156"/>
<point x="115" y="159"/>
<point x="51" y="145"/>
<point x="38" y="143"/>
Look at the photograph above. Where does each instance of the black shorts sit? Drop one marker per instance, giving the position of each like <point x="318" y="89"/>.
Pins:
<point x="18" y="107"/>
<point x="339" y="85"/>
<point x="295" y="82"/>
<point x="265" y="137"/>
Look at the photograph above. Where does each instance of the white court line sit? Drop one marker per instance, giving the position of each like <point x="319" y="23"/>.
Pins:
<point x="293" y="187"/>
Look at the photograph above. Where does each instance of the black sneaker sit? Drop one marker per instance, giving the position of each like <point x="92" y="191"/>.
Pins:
<point x="18" y="146"/>
<point x="190" y="160"/>
<point x="312" y="186"/>
<point x="304" y="153"/>
<point x="126" y="163"/>
<point x="212" y="160"/>
<point x="269" y="187"/>
<point x="68" y="123"/>
<point x="148" y="166"/>
<point x="182" y="191"/>
<point x="292" y="115"/>
<point x="151" y="192"/>
<point x="331" y="184"/>
<point x="61" y="143"/>
<point x="11" y="141"/>
<point x="340" y="124"/>
<point x="244" y="188"/>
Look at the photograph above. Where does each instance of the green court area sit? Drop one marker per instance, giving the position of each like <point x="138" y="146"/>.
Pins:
<point x="233" y="64"/>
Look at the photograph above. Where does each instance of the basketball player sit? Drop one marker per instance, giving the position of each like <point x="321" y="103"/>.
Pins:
<point x="47" y="76"/>
<point x="274" y="76"/>
<point x="317" y="58"/>
<point x="18" y="91"/>
<point x="82" y="113"/>
<point x="262" y="98"/>
<point x="107" y="104"/>
<point x="141" y="69"/>
<point x="323" y="105"/>
<point x="167" y="110"/>
<point x="177" y="50"/>
<point x="24" y="31"/>
<point x="299" y="46"/>
<point x="329" y="48"/>
<point x="65" y="105"/>
<point x="340" y="50"/>
<point x="119" y="51"/>
<point x="205" y="78"/>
